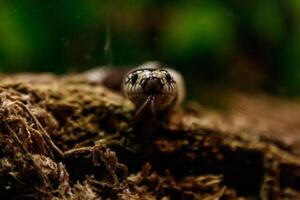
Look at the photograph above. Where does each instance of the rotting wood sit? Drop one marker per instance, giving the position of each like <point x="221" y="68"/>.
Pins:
<point x="65" y="138"/>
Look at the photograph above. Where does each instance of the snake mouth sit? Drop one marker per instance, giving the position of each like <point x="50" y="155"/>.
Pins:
<point x="152" y="85"/>
<point x="158" y="93"/>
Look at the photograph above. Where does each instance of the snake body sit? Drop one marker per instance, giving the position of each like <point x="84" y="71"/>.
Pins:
<point x="152" y="88"/>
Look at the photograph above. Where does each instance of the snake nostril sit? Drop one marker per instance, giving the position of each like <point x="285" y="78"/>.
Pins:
<point x="144" y="82"/>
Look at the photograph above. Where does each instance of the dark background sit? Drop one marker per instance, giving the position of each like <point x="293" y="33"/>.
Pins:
<point x="217" y="44"/>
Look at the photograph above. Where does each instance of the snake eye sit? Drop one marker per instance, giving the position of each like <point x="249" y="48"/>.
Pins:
<point x="168" y="78"/>
<point x="133" y="78"/>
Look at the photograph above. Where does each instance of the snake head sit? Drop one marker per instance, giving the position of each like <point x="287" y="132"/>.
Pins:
<point x="150" y="88"/>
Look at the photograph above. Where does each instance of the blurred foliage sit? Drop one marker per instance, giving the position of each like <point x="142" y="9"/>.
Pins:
<point x="216" y="44"/>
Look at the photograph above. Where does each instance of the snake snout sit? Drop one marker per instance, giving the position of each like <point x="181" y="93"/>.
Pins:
<point x="153" y="85"/>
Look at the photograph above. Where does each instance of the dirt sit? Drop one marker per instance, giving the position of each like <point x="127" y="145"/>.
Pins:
<point x="64" y="137"/>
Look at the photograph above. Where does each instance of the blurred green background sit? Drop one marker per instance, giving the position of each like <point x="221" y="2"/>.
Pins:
<point x="216" y="44"/>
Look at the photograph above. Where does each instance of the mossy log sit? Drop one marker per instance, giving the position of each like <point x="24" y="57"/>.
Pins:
<point x="63" y="137"/>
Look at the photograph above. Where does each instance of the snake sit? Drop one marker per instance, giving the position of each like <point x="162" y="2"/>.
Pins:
<point x="150" y="86"/>
<point x="153" y="88"/>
